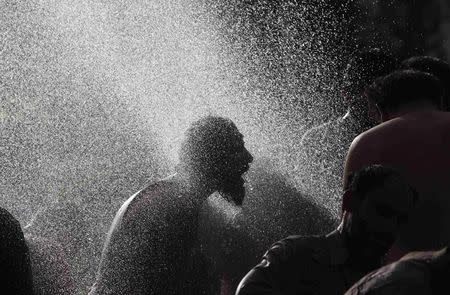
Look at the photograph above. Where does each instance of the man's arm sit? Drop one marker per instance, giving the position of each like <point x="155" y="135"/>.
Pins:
<point x="259" y="281"/>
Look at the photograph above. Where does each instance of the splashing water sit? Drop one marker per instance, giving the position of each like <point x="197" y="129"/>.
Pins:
<point x="96" y="96"/>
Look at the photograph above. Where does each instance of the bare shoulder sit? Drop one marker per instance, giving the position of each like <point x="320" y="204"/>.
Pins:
<point x="151" y="200"/>
<point x="363" y="151"/>
<point x="299" y="250"/>
<point x="364" y="146"/>
<point x="167" y="184"/>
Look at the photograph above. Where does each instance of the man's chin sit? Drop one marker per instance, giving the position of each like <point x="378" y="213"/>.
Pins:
<point x="238" y="199"/>
<point x="236" y="192"/>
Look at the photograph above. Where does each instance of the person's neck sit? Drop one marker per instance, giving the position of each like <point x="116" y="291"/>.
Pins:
<point x="419" y="107"/>
<point x="356" y="260"/>
<point x="195" y="183"/>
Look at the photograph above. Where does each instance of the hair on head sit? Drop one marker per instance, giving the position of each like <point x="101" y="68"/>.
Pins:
<point x="400" y="88"/>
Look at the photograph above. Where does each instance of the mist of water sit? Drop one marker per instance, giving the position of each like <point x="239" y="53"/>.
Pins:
<point x="96" y="94"/>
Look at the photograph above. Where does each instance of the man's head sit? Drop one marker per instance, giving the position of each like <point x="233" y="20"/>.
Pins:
<point x="376" y="205"/>
<point x="213" y="151"/>
<point x="435" y="66"/>
<point x="402" y="89"/>
<point x="362" y="69"/>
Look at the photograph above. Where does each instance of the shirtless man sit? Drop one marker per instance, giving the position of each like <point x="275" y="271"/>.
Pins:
<point x="150" y="246"/>
<point x="415" y="138"/>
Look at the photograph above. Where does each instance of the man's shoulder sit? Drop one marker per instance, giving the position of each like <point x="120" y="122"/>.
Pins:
<point x="155" y="198"/>
<point x="299" y="249"/>
<point x="141" y="218"/>
<point x="401" y="127"/>
<point x="366" y="149"/>
<point x="421" y="120"/>
<point x="158" y="192"/>
<point x="367" y="142"/>
<point x="160" y="187"/>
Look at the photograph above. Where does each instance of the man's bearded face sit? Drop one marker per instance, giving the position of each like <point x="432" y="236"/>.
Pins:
<point x="214" y="150"/>
<point x="236" y="163"/>
<point x="381" y="214"/>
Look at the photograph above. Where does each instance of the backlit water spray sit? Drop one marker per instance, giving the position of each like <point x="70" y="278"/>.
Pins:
<point x="96" y="96"/>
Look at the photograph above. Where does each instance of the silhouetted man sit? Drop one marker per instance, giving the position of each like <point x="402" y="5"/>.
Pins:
<point x="149" y="248"/>
<point x="15" y="266"/>
<point x="435" y="66"/>
<point x="415" y="138"/>
<point x="375" y="206"/>
<point x="325" y="146"/>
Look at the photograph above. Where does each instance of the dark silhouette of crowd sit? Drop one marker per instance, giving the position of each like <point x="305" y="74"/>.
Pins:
<point x="203" y="230"/>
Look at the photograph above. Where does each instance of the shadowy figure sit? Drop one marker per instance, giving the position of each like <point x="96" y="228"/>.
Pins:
<point x="421" y="273"/>
<point x="233" y="237"/>
<point x="324" y="147"/>
<point x="374" y="208"/>
<point x="415" y="139"/>
<point x="225" y="244"/>
<point x="15" y="266"/>
<point x="435" y="66"/>
<point x="151" y="245"/>
<point x="275" y="208"/>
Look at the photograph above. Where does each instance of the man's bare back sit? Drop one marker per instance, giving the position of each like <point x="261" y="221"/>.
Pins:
<point x="418" y="144"/>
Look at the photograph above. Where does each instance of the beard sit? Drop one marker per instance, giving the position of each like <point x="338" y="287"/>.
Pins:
<point x="235" y="189"/>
